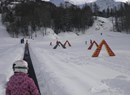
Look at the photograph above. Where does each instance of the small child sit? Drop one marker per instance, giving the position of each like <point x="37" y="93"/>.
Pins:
<point x="20" y="83"/>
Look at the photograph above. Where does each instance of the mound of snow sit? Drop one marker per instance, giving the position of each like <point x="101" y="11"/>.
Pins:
<point x="50" y="34"/>
<point x="47" y="34"/>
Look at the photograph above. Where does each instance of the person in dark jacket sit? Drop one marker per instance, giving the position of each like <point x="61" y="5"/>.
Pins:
<point x="22" y="41"/>
<point x="20" y="83"/>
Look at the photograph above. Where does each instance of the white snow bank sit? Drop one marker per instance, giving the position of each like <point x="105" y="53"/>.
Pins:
<point x="43" y="34"/>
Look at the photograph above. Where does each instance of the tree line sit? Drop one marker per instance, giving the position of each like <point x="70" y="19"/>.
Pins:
<point x="122" y="18"/>
<point x="27" y="17"/>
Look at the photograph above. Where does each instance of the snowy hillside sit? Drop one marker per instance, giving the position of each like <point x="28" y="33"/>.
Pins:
<point x="73" y="71"/>
<point x="104" y="4"/>
<point x="101" y="25"/>
<point x="57" y="2"/>
<point x="75" y="2"/>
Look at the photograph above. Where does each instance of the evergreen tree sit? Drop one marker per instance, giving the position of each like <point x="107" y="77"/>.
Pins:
<point x="29" y="16"/>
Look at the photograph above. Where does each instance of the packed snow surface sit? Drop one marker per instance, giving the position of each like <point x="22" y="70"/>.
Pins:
<point x="73" y="71"/>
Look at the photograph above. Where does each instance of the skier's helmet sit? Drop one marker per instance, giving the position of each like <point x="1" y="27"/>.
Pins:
<point x="20" y="66"/>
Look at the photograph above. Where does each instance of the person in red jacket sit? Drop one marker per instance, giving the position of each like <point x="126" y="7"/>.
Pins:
<point x="20" y="83"/>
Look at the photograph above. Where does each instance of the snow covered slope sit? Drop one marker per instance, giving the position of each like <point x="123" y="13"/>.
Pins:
<point x="72" y="71"/>
<point x="101" y="25"/>
<point x="104" y="4"/>
<point x="75" y="2"/>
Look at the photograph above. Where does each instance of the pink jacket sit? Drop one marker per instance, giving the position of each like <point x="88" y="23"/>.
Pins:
<point x="21" y="84"/>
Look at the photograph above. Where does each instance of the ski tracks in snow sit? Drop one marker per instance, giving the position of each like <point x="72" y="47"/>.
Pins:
<point x="63" y="70"/>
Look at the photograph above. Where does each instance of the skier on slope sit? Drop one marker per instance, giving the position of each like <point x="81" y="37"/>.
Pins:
<point x="22" y="40"/>
<point x="20" y="83"/>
